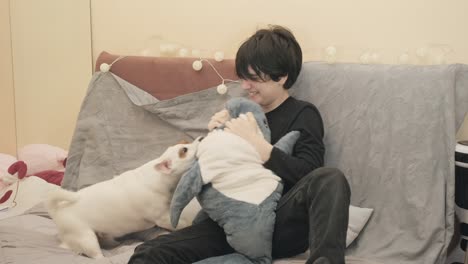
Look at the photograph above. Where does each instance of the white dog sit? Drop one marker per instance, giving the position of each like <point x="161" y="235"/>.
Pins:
<point x="133" y="201"/>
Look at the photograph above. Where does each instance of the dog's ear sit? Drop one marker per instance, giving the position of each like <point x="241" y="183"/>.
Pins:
<point x="164" y="166"/>
<point x="183" y="141"/>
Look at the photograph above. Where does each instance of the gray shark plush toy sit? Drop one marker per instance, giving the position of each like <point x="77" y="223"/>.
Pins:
<point x="234" y="189"/>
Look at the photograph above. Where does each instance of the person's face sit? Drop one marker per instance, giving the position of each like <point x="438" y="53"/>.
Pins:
<point x="268" y="94"/>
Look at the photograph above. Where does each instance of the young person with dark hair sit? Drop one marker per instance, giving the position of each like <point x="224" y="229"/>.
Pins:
<point x="313" y="211"/>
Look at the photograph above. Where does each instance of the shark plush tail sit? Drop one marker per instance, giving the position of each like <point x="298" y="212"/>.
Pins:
<point x="188" y="187"/>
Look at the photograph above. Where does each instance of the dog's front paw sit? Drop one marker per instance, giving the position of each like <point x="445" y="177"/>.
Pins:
<point x="95" y="256"/>
<point x="64" y="246"/>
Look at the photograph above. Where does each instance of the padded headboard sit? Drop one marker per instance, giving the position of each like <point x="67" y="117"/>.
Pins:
<point x="160" y="76"/>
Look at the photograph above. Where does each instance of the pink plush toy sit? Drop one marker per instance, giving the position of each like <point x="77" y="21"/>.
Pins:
<point x="52" y="176"/>
<point x="43" y="161"/>
<point x="42" y="157"/>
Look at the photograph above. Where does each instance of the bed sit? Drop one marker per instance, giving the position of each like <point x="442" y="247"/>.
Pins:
<point x="390" y="128"/>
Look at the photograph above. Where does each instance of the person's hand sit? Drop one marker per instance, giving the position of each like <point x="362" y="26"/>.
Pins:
<point x="247" y="129"/>
<point x="218" y="119"/>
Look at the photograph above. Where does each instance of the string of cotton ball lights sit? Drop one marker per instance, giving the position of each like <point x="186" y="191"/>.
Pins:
<point x="180" y="50"/>
<point x="428" y="54"/>
<point x="369" y="57"/>
<point x="197" y="65"/>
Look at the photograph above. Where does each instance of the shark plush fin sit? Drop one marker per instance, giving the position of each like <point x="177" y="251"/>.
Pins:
<point x="189" y="186"/>
<point x="286" y="143"/>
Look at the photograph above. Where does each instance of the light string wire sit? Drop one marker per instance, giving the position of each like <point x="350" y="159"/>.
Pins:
<point x="216" y="71"/>
<point x="104" y="67"/>
<point x="116" y="60"/>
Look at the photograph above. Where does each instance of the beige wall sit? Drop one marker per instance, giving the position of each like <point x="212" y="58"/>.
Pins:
<point x="7" y="97"/>
<point x="52" y="61"/>
<point x="387" y="28"/>
<point x="55" y="41"/>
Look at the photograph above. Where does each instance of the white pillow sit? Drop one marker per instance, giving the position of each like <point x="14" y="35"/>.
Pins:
<point x="358" y="218"/>
<point x="31" y="191"/>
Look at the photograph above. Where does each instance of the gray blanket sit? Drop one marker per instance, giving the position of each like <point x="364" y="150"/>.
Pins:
<point x="31" y="238"/>
<point x="391" y="129"/>
<point x="121" y="127"/>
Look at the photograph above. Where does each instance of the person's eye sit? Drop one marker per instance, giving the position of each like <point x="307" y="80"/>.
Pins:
<point x="255" y="78"/>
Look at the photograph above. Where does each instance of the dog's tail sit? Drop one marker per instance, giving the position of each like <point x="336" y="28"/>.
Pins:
<point x="58" y="198"/>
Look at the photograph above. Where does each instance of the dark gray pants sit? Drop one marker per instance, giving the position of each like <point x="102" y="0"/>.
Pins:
<point x="311" y="215"/>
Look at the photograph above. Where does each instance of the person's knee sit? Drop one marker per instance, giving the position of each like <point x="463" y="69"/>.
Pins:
<point x="331" y="179"/>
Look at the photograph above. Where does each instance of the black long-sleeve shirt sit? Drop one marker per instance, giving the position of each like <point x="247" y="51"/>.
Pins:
<point x="308" y="153"/>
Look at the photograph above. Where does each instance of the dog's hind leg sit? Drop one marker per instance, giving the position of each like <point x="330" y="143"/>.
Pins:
<point x="86" y="242"/>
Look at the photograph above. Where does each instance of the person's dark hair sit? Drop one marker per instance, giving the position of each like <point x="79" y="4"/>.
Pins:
<point x="272" y="53"/>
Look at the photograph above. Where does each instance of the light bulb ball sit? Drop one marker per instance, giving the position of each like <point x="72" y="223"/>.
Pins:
<point x="365" y="58"/>
<point x="197" y="65"/>
<point x="219" y="56"/>
<point x="104" y="67"/>
<point x="331" y="51"/>
<point x="222" y="88"/>
<point x="404" y="58"/>
<point x="183" y="52"/>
